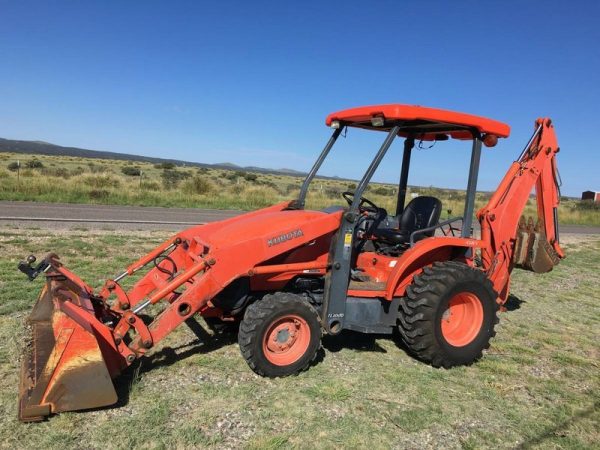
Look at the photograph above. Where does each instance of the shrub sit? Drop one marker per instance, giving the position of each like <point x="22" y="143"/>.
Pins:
<point x="99" y="194"/>
<point x="131" y="171"/>
<point x="150" y="186"/>
<point x="587" y="205"/>
<point x="233" y="176"/>
<point x="101" y="181"/>
<point x="351" y="186"/>
<point x="171" y="178"/>
<point x="197" y="185"/>
<point x="250" y="177"/>
<point x="257" y="197"/>
<point x="34" y="164"/>
<point x="59" y="172"/>
<point x="380" y="190"/>
<point x="292" y="188"/>
<point x="165" y="165"/>
<point x="237" y="189"/>
<point x="13" y="166"/>
<point x="4" y="174"/>
<point x="333" y="192"/>
<point x="268" y="183"/>
<point x="97" y="168"/>
<point x="460" y="196"/>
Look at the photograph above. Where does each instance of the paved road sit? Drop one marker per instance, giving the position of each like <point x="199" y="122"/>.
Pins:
<point x="60" y="215"/>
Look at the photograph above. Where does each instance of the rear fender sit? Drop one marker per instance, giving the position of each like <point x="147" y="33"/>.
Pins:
<point x="423" y="254"/>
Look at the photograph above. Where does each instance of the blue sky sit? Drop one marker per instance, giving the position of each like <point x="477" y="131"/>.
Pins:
<point x="252" y="82"/>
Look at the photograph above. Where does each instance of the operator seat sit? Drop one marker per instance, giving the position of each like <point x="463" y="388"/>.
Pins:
<point x="421" y="212"/>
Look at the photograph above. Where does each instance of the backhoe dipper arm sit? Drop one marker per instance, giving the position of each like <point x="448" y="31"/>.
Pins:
<point x="503" y="230"/>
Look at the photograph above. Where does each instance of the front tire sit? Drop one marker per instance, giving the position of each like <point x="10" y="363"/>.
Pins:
<point x="448" y="315"/>
<point x="280" y="335"/>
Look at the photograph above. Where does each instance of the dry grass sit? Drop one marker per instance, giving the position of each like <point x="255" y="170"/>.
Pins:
<point x="537" y="386"/>
<point x="81" y="180"/>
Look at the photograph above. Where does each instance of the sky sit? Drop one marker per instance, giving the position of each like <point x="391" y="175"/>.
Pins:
<point x="251" y="82"/>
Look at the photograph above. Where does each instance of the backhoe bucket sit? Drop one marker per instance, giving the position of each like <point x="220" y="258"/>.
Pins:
<point x="532" y="250"/>
<point x="63" y="366"/>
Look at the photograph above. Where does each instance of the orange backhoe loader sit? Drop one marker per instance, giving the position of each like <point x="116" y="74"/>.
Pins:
<point x="288" y="275"/>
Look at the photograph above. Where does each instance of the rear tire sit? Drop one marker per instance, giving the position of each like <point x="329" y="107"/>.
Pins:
<point x="448" y="315"/>
<point x="280" y="335"/>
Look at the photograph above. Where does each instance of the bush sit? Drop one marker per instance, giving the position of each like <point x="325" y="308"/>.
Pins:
<point x="171" y="178"/>
<point x="131" y="171"/>
<point x="59" y="172"/>
<point x="13" y="166"/>
<point x="99" y="194"/>
<point x="101" y="181"/>
<point x="258" y="197"/>
<point x="34" y="164"/>
<point x="460" y="196"/>
<point x="150" y="186"/>
<point x="165" y="165"/>
<point x="380" y="190"/>
<point x="333" y="192"/>
<point x="233" y="176"/>
<point x="587" y="205"/>
<point x="97" y="168"/>
<point x="237" y="189"/>
<point x="292" y="188"/>
<point x="197" y="185"/>
<point x="351" y="186"/>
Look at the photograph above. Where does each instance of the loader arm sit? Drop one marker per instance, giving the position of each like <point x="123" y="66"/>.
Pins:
<point x="510" y="241"/>
<point x="82" y="339"/>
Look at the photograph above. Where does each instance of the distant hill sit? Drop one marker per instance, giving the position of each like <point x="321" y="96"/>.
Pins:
<point x="45" y="148"/>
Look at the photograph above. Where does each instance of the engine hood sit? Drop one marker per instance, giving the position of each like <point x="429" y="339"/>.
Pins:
<point x="270" y="224"/>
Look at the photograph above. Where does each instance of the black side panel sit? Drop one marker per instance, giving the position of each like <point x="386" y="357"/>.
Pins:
<point x="371" y="315"/>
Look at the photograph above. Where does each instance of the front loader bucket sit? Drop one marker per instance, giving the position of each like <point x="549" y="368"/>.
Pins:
<point x="532" y="250"/>
<point x="63" y="366"/>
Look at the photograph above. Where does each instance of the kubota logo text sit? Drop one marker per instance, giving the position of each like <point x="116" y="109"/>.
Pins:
<point x="284" y="237"/>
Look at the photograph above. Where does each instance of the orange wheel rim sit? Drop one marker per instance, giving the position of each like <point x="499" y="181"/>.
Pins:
<point x="462" y="320"/>
<point x="286" y="340"/>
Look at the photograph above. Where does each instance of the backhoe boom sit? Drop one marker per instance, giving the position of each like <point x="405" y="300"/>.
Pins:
<point x="510" y="241"/>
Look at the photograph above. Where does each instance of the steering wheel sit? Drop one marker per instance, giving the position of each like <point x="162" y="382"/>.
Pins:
<point x="370" y="206"/>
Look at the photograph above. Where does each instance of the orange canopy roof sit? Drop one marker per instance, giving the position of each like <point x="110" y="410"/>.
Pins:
<point x="420" y="121"/>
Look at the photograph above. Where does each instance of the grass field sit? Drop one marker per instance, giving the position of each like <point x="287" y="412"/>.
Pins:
<point x="537" y="387"/>
<point x="81" y="180"/>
